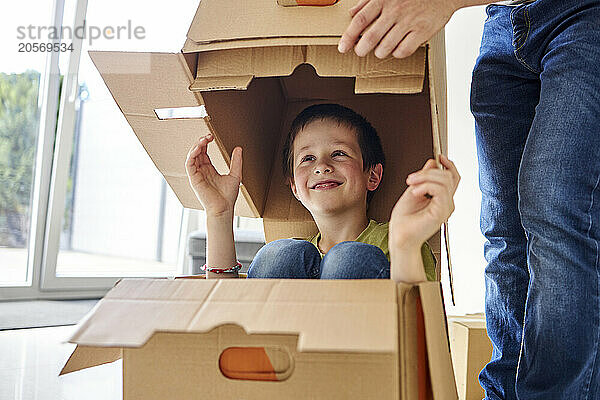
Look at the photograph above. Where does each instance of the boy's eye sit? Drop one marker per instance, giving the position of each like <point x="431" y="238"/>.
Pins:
<point x="338" y="153"/>
<point x="307" y="158"/>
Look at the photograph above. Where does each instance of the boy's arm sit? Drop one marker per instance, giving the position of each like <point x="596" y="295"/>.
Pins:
<point x="220" y="244"/>
<point x="217" y="193"/>
<point x="418" y="215"/>
<point x="407" y="263"/>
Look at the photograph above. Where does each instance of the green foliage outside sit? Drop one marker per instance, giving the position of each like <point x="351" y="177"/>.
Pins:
<point x="18" y="134"/>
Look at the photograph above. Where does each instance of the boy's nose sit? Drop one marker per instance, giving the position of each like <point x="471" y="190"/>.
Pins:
<point x="323" y="170"/>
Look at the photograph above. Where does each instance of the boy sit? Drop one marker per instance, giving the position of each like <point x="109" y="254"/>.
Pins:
<point x="334" y="162"/>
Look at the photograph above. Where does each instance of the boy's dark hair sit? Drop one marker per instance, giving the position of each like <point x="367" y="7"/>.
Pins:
<point x="368" y="140"/>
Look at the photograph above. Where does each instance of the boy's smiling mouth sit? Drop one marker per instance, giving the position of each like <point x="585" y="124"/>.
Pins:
<point x="326" y="184"/>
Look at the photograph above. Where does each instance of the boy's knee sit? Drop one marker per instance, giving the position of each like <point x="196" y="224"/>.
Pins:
<point x="348" y="251"/>
<point x="355" y="260"/>
<point x="280" y="258"/>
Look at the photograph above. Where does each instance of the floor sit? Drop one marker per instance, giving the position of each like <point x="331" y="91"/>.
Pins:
<point x="32" y="359"/>
<point x="43" y="313"/>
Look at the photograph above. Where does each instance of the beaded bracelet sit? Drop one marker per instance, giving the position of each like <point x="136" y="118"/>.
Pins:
<point x="235" y="268"/>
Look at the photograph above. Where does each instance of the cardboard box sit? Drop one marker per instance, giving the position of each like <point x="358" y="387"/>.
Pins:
<point x="252" y="66"/>
<point x="246" y="69"/>
<point x="362" y="339"/>
<point x="471" y="351"/>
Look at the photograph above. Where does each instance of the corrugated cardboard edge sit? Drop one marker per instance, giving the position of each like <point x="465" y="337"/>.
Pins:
<point x="437" y="92"/>
<point x="438" y="345"/>
<point x="192" y="47"/>
<point x="439" y="107"/>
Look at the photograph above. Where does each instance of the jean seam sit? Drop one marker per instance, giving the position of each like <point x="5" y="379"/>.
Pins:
<point x="529" y="244"/>
<point x="589" y="378"/>
<point x="526" y="12"/>
<point x="516" y="51"/>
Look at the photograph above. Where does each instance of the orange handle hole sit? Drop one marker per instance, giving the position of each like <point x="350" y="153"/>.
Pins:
<point x="254" y="364"/>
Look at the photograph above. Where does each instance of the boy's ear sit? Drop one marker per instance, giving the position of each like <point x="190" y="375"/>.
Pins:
<point x="293" y="187"/>
<point x="375" y="176"/>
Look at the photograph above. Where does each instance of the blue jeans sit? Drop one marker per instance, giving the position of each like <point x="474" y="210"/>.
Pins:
<point x="535" y="97"/>
<point x="299" y="259"/>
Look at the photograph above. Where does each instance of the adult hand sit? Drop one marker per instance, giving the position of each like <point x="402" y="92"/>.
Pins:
<point x="216" y="192"/>
<point x="425" y="204"/>
<point x="398" y="27"/>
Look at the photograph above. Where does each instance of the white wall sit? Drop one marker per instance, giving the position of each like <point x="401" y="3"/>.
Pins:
<point x="463" y="36"/>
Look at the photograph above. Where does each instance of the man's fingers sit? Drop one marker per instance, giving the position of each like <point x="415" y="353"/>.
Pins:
<point x="372" y="36"/>
<point x="360" y="21"/>
<point x="390" y="41"/>
<point x="408" y="45"/>
<point x="358" y="7"/>
<point x="236" y="163"/>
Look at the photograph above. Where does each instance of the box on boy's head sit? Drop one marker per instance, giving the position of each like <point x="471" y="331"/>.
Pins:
<point x="246" y="70"/>
<point x="254" y="66"/>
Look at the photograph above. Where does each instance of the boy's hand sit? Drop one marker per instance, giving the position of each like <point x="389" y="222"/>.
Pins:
<point x="216" y="192"/>
<point x="424" y="205"/>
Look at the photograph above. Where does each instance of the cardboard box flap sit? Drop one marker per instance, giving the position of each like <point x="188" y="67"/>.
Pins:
<point x="266" y="19"/>
<point x="234" y="68"/>
<point x="348" y="316"/>
<point x="127" y="76"/>
<point x="136" y="80"/>
<point x="85" y="357"/>
<point x="438" y="345"/>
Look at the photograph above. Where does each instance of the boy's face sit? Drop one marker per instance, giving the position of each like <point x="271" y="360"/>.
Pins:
<point x="328" y="169"/>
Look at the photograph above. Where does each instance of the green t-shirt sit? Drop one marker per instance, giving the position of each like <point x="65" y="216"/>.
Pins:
<point x="377" y="234"/>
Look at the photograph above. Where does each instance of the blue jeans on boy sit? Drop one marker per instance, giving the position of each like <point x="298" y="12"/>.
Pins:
<point x="300" y="259"/>
<point x="535" y="96"/>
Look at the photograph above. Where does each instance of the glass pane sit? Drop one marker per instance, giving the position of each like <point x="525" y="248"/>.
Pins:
<point x="120" y="218"/>
<point x="20" y="76"/>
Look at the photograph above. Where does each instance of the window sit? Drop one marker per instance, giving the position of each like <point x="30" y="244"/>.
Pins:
<point x="21" y="74"/>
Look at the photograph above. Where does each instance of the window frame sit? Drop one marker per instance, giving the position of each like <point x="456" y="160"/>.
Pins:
<point x="52" y="163"/>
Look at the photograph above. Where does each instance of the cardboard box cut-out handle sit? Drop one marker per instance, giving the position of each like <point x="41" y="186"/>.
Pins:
<point x="174" y="336"/>
<point x="271" y="363"/>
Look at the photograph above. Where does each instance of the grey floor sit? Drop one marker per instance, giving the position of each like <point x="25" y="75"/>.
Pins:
<point x="42" y="313"/>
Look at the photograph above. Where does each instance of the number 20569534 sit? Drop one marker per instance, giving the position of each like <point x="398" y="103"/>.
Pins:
<point x="44" y="47"/>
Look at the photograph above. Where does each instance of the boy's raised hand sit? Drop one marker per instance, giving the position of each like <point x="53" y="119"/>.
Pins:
<point x="216" y="192"/>
<point x="426" y="203"/>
